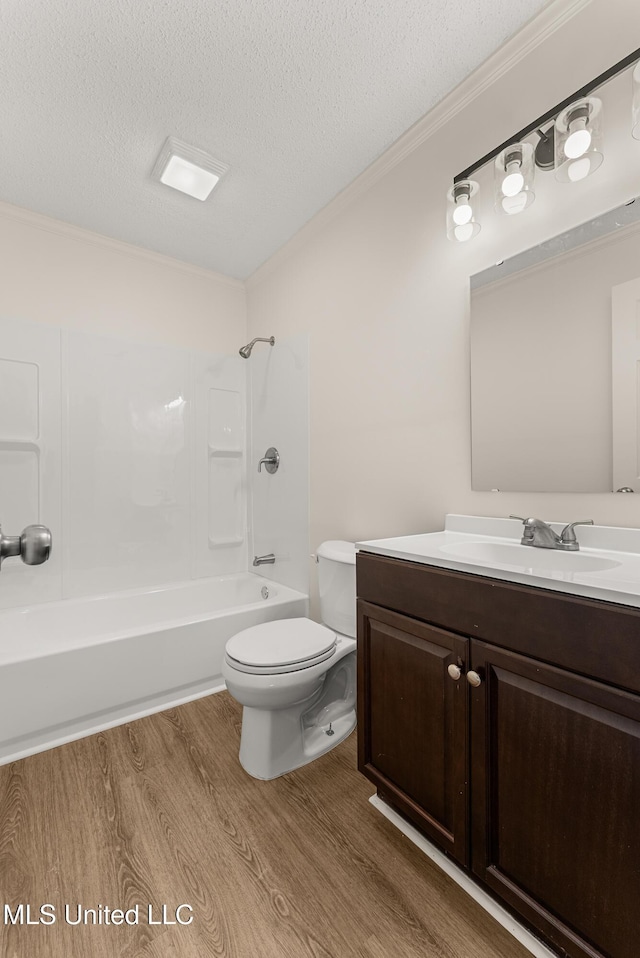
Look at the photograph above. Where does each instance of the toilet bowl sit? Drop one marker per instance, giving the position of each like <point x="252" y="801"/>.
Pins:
<point x="296" y="678"/>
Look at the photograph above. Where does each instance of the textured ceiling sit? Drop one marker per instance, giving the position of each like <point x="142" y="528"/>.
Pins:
<point x="297" y="97"/>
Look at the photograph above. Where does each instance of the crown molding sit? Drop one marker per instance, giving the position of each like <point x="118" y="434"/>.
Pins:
<point x="76" y="233"/>
<point x="542" y="26"/>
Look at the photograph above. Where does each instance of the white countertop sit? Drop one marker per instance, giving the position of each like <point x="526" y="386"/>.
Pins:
<point x="609" y="557"/>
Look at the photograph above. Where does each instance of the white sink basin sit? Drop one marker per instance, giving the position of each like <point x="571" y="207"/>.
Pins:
<point x="607" y="565"/>
<point x="528" y="557"/>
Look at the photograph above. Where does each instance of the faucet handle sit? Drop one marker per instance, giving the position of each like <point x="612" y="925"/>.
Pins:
<point x="532" y="522"/>
<point x="568" y="535"/>
<point x="33" y="545"/>
<point x="271" y="460"/>
<point x="529" y="524"/>
<point x="528" y="532"/>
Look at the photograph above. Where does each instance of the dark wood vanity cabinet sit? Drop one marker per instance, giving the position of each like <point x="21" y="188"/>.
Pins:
<point x="556" y="801"/>
<point x="531" y="779"/>
<point x="415" y="731"/>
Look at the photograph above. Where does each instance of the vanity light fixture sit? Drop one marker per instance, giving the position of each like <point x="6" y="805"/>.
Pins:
<point x="578" y="137"/>
<point x="462" y="224"/>
<point x="513" y="174"/>
<point x="188" y="169"/>
<point x="570" y="141"/>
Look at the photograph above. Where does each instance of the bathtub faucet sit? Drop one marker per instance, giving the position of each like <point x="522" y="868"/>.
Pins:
<point x="264" y="560"/>
<point x="33" y="545"/>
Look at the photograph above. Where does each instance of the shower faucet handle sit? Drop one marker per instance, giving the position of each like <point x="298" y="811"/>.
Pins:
<point x="270" y="460"/>
<point x="33" y="545"/>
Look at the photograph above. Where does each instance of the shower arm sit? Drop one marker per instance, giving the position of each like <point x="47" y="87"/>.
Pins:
<point x="245" y="351"/>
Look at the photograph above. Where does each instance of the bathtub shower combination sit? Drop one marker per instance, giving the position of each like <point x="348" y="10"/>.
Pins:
<point x="74" y="667"/>
<point x="138" y="457"/>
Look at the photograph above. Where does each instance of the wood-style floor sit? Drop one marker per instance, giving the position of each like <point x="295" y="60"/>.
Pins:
<point x="160" y="812"/>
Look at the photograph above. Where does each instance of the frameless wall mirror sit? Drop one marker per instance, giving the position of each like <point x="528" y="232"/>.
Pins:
<point x="555" y="353"/>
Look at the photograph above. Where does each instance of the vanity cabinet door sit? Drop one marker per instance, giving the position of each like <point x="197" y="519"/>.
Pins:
<point x="412" y="721"/>
<point x="556" y="801"/>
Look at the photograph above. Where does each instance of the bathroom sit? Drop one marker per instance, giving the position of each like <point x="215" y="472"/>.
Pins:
<point x="366" y="396"/>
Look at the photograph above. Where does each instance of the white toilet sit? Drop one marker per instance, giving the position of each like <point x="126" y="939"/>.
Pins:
<point x="297" y="679"/>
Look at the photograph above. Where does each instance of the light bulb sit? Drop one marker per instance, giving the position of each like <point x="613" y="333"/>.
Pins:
<point x="579" y="139"/>
<point x="513" y="172"/>
<point x="515" y="204"/>
<point x="463" y="213"/>
<point x="578" y="148"/>
<point x="461" y="222"/>
<point x="514" y="180"/>
<point x="579" y="169"/>
<point x="464" y="232"/>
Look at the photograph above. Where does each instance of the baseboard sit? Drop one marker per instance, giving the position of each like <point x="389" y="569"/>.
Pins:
<point x="508" y="922"/>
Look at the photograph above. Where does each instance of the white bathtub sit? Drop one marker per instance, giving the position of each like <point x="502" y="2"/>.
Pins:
<point x="71" y="668"/>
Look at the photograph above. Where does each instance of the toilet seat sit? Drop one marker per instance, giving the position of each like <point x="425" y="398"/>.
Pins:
<point x="284" y="645"/>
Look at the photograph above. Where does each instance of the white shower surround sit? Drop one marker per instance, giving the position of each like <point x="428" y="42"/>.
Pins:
<point x="278" y="387"/>
<point x="136" y="455"/>
<point x="74" y="667"/>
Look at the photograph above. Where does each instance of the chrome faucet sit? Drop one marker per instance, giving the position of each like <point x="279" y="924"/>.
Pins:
<point x="540" y="534"/>
<point x="264" y="560"/>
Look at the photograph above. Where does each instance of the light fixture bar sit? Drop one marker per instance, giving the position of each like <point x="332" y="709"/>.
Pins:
<point x="551" y="114"/>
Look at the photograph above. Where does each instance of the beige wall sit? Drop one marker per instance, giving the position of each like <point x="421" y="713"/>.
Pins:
<point x="56" y="273"/>
<point x="385" y="297"/>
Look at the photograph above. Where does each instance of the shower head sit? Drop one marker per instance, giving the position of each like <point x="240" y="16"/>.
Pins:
<point x="245" y="352"/>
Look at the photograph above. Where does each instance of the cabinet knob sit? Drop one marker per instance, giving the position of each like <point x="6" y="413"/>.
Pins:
<point x="454" y="671"/>
<point x="473" y="679"/>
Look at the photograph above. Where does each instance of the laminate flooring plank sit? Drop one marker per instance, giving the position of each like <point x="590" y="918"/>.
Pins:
<point x="186" y="849"/>
<point x="16" y="882"/>
<point x="185" y="857"/>
<point x="219" y="829"/>
<point x="285" y="926"/>
<point x="174" y="944"/>
<point x="160" y="811"/>
<point x="429" y="913"/>
<point x="315" y="810"/>
<point x="289" y="895"/>
<point x="381" y="897"/>
<point x="77" y="854"/>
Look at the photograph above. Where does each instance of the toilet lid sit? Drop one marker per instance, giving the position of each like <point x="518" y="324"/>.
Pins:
<point x="282" y="643"/>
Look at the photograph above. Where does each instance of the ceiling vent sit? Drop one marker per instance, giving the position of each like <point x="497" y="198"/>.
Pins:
<point x="188" y="169"/>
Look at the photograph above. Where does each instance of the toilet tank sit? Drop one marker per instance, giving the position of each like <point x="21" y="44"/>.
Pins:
<point x="337" y="585"/>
